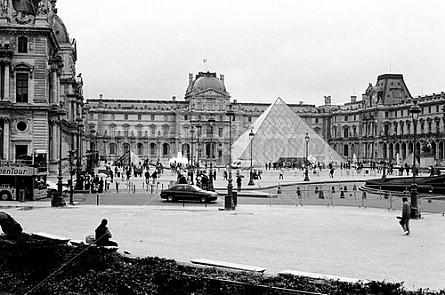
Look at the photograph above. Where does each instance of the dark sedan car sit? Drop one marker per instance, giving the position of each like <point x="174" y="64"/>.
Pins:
<point x="188" y="192"/>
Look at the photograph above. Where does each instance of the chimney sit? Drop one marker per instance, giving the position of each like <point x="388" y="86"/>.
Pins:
<point x="190" y="79"/>
<point x="300" y="102"/>
<point x="221" y="77"/>
<point x="101" y="95"/>
<point x="174" y="98"/>
<point x="353" y="98"/>
<point x="234" y="101"/>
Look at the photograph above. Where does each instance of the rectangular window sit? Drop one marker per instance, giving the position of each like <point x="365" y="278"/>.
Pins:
<point x="126" y="133"/>
<point x="249" y="119"/>
<point x="23" y="45"/>
<point x="186" y="117"/>
<point x="22" y="87"/>
<point x="152" y="117"/>
<point x="139" y="133"/>
<point x="165" y="118"/>
<point x="316" y="120"/>
<point x="220" y="132"/>
<point x="139" y="117"/>
<point x="125" y="117"/>
<point x="346" y="118"/>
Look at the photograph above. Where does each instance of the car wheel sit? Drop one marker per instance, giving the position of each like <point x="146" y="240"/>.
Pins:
<point x="203" y="199"/>
<point x="5" y="196"/>
<point x="170" y="199"/>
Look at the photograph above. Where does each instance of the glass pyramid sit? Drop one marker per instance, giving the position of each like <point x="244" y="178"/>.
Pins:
<point x="280" y="136"/>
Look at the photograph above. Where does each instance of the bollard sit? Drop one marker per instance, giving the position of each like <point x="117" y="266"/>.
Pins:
<point x="363" y="200"/>
<point x="151" y="189"/>
<point x="97" y="200"/>
<point x="331" y="197"/>
<point x="390" y="203"/>
<point x="134" y="188"/>
<point x="429" y="195"/>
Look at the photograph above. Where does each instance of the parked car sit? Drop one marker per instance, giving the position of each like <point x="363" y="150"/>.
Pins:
<point x="52" y="187"/>
<point x="188" y="192"/>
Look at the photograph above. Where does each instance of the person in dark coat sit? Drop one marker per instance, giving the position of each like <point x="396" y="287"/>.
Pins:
<point x="101" y="185"/>
<point x="9" y="225"/>
<point x="239" y="182"/>
<point x="103" y="235"/>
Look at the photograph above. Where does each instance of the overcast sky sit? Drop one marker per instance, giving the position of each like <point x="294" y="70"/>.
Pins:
<point x="296" y="50"/>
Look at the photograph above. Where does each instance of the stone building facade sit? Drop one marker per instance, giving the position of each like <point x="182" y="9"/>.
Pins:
<point x="157" y="129"/>
<point x="40" y="94"/>
<point x="377" y="127"/>
<point x="380" y="126"/>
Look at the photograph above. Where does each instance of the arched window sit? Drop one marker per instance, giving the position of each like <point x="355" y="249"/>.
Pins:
<point x="165" y="150"/>
<point x="113" y="148"/>
<point x="139" y="149"/>
<point x="126" y="147"/>
<point x="153" y="149"/>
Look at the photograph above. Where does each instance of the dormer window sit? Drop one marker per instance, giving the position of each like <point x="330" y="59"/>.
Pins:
<point x="23" y="45"/>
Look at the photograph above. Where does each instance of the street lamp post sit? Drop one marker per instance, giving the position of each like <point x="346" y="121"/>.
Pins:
<point x="415" y="111"/>
<point x="385" y="150"/>
<point x="306" y="176"/>
<point x="199" y="126"/>
<point x="211" y="121"/>
<point x="228" y="199"/>
<point x="61" y="112"/>
<point x="192" y="131"/>
<point x="79" y="184"/>
<point x="251" y="137"/>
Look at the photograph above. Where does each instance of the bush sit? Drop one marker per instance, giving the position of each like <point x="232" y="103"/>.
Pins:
<point x="39" y="266"/>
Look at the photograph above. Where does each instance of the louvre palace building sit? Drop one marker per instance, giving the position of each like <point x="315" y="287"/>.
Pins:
<point x="376" y="127"/>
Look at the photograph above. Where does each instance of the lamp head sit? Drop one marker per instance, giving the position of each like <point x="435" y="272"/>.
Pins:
<point x="230" y="112"/>
<point x="415" y="110"/>
<point x="251" y="135"/>
<point x="307" y="138"/>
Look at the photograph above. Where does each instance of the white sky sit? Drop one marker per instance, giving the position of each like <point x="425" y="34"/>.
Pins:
<point x="297" y="50"/>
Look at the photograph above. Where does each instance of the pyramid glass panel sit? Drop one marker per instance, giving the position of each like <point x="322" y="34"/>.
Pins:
<point x="280" y="136"/>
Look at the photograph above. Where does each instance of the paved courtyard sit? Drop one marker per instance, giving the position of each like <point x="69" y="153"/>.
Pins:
<point x="341" y="241"/>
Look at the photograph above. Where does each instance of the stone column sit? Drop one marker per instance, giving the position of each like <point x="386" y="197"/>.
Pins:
<point x="54" y="142"/>
<point x="6" y="139"/>
<point x="7" y="77"/>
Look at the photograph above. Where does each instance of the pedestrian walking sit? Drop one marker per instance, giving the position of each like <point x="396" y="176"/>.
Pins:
<point x="406" y="215"/>
<point x="281" y="174"/>
<point x="239" y="182"/>
<point x="331" y="173"/>
<point x="300" y="201"/>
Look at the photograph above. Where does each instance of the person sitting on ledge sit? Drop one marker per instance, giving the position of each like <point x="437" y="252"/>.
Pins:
<point x="103" y="235"/>
<point x="9" y="225"/>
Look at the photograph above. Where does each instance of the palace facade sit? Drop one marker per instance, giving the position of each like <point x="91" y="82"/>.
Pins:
<point x="377" y="127"/>
<point x="40" y="93"/>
